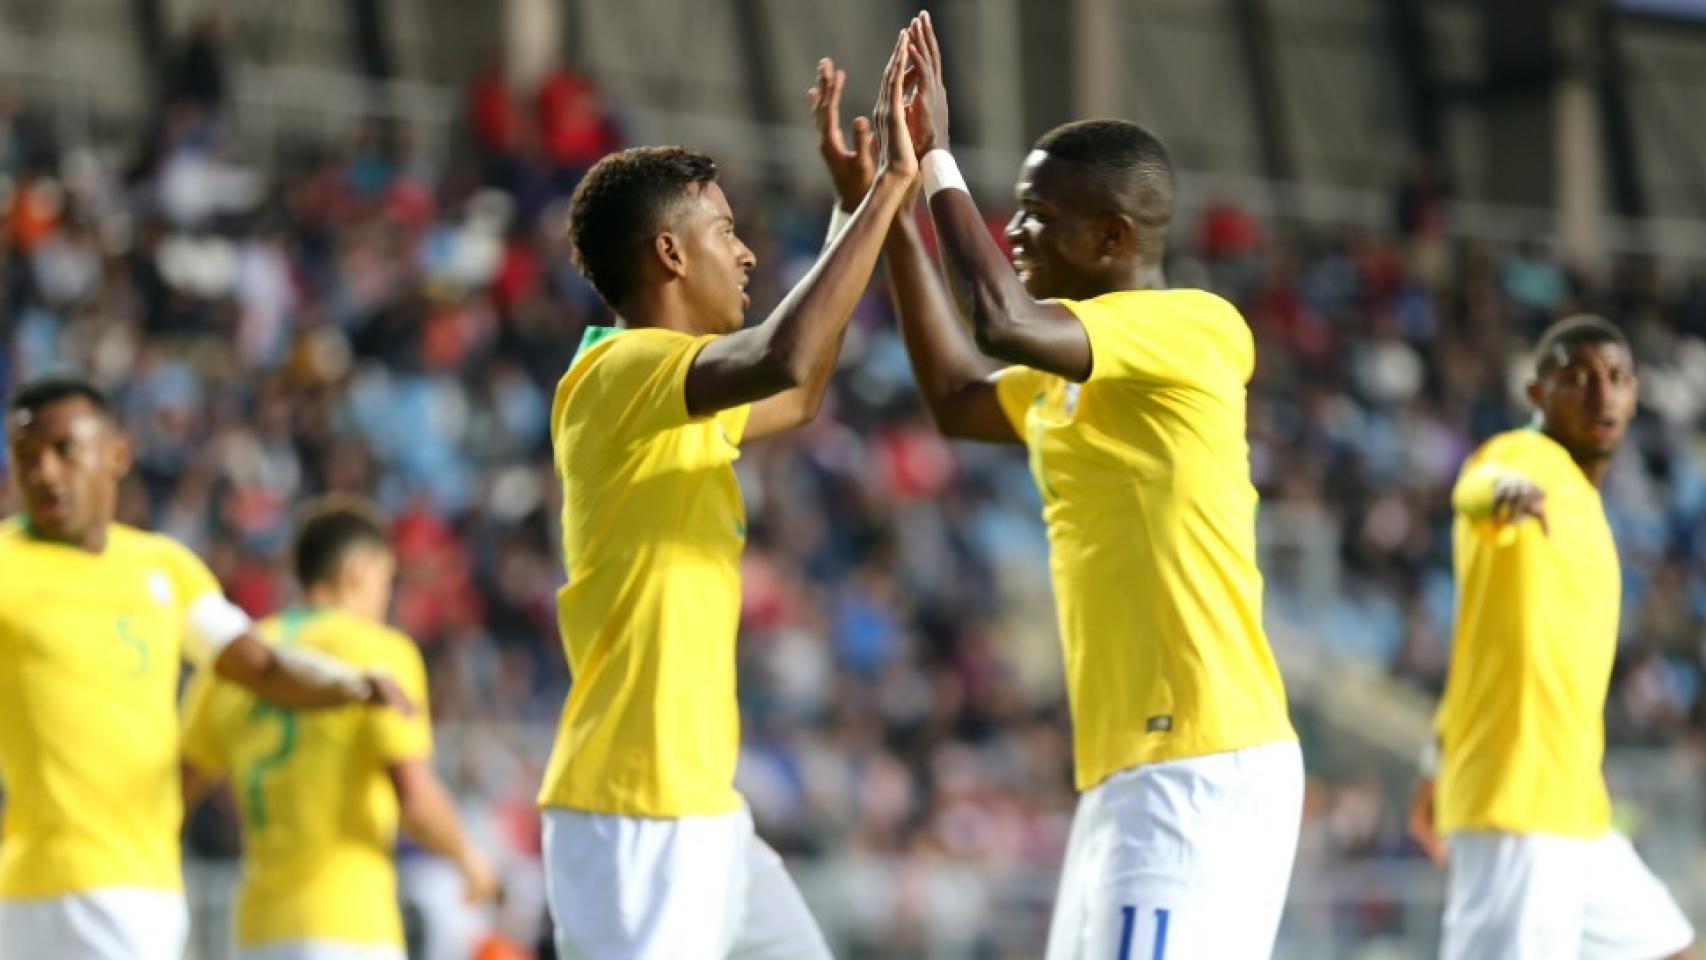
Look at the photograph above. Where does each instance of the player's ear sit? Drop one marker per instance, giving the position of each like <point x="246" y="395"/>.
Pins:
<point x="1116" y="236"/>
<point x="670" y="253"/>
<point x="120" y="453"/>
<point x="1532" y="391"/>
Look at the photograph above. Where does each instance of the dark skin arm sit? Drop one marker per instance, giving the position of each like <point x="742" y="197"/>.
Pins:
<point x="953" y="377"/>
<point x="1007" y="322"/>
<point x="797" y="340"/>
<point x="295" y="682"/>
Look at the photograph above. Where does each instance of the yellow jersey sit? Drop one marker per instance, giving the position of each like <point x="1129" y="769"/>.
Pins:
<point x="1522" y="723"/>
<point x="91" y="646"/>
<point x="318" y="810"/>
<point x="653" y="527"/>
<point x="1144" y="471"/>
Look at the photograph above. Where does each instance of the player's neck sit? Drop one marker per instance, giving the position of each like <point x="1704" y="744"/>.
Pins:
<point x="659" y="309"/>
<point x="1140" y="276"/>
<point x="92" y="541"/>
<point x="1593" y="466"/>
<point x="329" y="597"/>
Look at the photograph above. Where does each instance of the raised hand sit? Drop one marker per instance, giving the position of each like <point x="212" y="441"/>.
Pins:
<point x="896" y="155"/>
<point x="850" y="169"/>
<point x="1515" y="499"/>
<point x="927" y="109"/>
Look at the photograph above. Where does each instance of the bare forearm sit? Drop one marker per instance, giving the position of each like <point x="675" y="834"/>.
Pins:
<point x="983" y="283"/>
<point x="429" y="818"/>
<point x="806" y="325"/>
<point x="291" y="678"/>
<point x="944" y="359"/>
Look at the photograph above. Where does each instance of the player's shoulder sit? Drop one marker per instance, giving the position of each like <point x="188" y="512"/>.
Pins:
<point x="1184" y="302"/>
<point x="1527" y="451"/>
<point x="13" y="532"/>
<point x="147" y="546"/>
<point x="610" y="357"/>
<point x="357" y="639"/>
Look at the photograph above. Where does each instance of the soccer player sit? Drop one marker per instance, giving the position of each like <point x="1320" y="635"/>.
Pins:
<point x="95" y="621"/>
<point x="1535" y="868"/>
<point x="649" y="850"/>
<point x="320" y="794"/>
<point x="1130" y="398"/>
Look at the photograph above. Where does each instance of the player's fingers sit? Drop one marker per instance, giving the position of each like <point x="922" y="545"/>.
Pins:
<point x="861" y="136"/>
<point x="935" y="48"/>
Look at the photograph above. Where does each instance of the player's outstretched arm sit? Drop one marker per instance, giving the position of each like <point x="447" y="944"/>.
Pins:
<point x="428" y="817"/>
<point x="785" y="350"/>
<point x="1007" y="322"/>
<point x="952" y="376"/>
<point x="298" y="679"/>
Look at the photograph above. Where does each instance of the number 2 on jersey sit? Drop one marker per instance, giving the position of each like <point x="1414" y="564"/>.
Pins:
<point x="254" y="784"/>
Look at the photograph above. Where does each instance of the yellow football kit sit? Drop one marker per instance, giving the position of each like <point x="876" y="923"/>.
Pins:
<point x="318" y="810"/>
<point x="1145" y="478"/>
<point x="91" y="645"/>
<point x="653" y="527"/>
<point x="1522" y="723"/>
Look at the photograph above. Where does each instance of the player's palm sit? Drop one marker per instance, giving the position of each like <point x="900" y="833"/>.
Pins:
<point x="851" y="169"/>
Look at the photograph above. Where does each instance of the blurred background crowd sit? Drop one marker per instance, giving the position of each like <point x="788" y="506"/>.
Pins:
<point x="369" y="316"/>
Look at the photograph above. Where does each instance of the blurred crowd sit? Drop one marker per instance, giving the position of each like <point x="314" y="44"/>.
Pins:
<point x="359" y="317"/>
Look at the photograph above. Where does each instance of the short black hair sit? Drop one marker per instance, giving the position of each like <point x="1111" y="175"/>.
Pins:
<point x="1573" y="332"/>
<point x="47" y="390"/>
<point x="328" y="529"/>
<point x="621" y="203"/>
<point x="1127" y="162"/>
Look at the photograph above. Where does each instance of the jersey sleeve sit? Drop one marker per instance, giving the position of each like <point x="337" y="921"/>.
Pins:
<point x="640" y="380"/>
<point x="1016" y="389"/>
<point x="209" y="621"/>
<point x="1149" y="340"/>
<point x="397" y="737"/>
<point x="199" y="741"/>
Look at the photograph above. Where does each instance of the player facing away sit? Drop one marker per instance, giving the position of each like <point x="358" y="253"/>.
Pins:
<point x="649" y="850"/>
<point x="96" y="619"/>
<point x="320" y="794"/>
<point x="1535" y="869"/>
<point x="1130" y="399"/>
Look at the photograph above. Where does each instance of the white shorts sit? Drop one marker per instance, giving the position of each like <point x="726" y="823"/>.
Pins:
<point x="692" y="888"/>
<point x="319" y="950"/>
<point x="1512" y="896"/>
<point x="116" y="923"/>
<point x="1183" y="859"/>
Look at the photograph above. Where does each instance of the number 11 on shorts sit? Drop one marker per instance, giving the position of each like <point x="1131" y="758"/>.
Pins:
<point x="1128" y="929"/>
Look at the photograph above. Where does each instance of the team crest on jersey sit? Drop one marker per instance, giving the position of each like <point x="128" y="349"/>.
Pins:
<point x="160" y="588"/>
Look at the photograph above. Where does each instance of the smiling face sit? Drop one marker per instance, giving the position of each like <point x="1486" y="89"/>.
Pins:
<point x="67" y="461"/>
<point x="717" y="266"/>
<point x="1586" y="396"/>
<point x="1054" y="242"/>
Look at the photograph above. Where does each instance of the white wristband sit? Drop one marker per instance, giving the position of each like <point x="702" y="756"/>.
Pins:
<point x="838" y="221"/>
<point x="941" y="173"/>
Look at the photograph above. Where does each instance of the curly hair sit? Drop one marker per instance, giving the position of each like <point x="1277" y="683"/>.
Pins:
<point x="621" y="204"/>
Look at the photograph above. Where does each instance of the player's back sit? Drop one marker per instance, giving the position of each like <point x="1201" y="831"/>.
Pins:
<point x="653" y="527"/>
<point x="317" y="807"/>
<point x="91" y="648"/>
<point x="1522" y="719"/>
<point x="1145" y="477"/>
